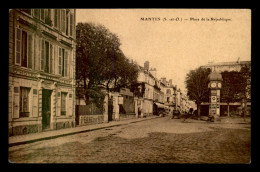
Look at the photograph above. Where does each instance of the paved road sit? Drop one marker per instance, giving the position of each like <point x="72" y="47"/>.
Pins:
<point x="159" y="140"/>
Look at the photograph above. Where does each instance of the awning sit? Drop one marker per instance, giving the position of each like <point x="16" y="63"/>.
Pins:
<point x="161" y="105"/>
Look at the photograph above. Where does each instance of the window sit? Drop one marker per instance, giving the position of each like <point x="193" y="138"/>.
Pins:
<point x="30" y="51"/>
<point x="42" y="14"/>
<point x="24" y="102"/>
<point x="47" y="18"/>
<point x="63" y="103"/>
<point x="18" y="46"/>
<point x="71" y="24"/>
<point x="67" y="22"/>
<point x="65" y="66"/>
<point x="168" y="91"/>
<point x="60" y="60"/>
<point x="63" y="20"/>
<point x="47" y="57"/>
<point x="23" y="48"/>
<point x="51" y="58"/>
<point x="63" y="62"/>
<point x="56" y="18"/>
<point x="36" y="13"/>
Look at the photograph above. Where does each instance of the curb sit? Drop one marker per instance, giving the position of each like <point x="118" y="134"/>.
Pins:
<point x="72" y="133"/>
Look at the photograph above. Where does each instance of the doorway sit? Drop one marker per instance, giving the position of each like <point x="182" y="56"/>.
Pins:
<point x="46" y="109"/>
<point x="110" y="109"/>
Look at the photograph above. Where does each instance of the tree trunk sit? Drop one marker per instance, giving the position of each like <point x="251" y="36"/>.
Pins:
<point x="228" y="110"/>
<point x="199" y="112"/>
<point x="198" y="109"/>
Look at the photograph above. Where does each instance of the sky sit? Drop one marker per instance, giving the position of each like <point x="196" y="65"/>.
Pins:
<point x="176" y="41"/>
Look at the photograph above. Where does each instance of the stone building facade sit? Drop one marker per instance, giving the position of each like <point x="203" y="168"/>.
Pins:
<point x="169" y="93"/>
<point x="42" y="52"/>
<point x="146" y="104"/>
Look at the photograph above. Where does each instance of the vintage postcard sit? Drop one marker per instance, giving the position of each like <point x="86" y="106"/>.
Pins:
<point x="129" y="86"/>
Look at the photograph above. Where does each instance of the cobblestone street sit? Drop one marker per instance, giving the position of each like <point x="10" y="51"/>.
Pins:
<point x="159" y="140"/>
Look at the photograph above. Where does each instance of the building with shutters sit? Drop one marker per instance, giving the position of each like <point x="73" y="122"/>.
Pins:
<point x="41" y="70"/>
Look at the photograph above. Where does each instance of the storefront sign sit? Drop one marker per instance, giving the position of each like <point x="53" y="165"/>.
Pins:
<point x="213" y="92"/>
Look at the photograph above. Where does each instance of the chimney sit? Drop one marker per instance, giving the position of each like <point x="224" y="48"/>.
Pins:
<point x="170" y="81"/>
<point x="146" y="65"/>
<point x="163" y="80"/>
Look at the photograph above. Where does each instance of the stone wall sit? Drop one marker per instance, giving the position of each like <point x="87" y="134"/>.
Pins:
<point x="127" y="116"/>
<point x="24" y="129"/>
<point x="62" y="125"/>
<point x="90" y="119"/>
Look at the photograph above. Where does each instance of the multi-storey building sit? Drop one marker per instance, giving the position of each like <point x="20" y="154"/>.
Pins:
<point x="227" y="66"/>
<point x="41" y="70"/>
<point x="145" y="77"/>
<point x="169" y="93"/>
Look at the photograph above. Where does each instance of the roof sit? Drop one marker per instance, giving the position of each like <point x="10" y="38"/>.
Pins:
<point x="215" y="76"/>
<point x="227" y="63"/>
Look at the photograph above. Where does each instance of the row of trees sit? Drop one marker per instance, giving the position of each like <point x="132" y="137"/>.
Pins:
<point x="235" y="85"/>
<point x="101" y="64"/>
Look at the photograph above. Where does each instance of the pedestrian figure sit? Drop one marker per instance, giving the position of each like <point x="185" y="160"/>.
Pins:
<point x="176" y="113"/>
<point x="188" y="115"/>
<point x="211" y="118"/>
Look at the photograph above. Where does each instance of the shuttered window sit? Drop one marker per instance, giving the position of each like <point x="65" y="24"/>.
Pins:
<point x="23" y="48"/>
<point x="47" y="55"/>
<point x="63" y="20"/>
<point x="30" y="51"/>
<point x="42" y="55"/>
<point x="63" y="103"/>
<point x="63" y="62"/>
<point x="42" y="14"/>
<point x="24" y="102"/>
<point x="51" y="58"/>
<point x="71" y="24"/>
<point x="56" y="18"/>
<point x="18" y="46"/>
<point x="36" y="13"/>
<point x="60" y="60"/>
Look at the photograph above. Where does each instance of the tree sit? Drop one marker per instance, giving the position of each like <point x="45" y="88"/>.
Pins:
<point x="197" y="86"/>
<point x="233" y="87"/>
<point x="100" y="63"/>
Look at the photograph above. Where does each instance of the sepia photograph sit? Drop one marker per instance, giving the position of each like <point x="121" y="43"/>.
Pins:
<point x="129" y="86"/>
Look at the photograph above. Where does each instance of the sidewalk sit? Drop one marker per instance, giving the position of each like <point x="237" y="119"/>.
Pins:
<point x="34" y="137"/>
<point x="229" y="120"/>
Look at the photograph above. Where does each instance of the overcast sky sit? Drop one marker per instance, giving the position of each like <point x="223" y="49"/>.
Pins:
<point x="176" y="47"/>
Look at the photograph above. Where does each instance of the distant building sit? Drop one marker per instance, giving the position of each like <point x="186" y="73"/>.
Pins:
<point x="41" y="70"/>
<point x="169" y="93"/>
<point x="227" y="66"/>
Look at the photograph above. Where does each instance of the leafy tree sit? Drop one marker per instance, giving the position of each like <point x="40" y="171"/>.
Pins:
<point x="100" y="63"/>
<point x="233" y="87"/>
<point x="197" y="86"/>
<point x="246" y="73"/>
